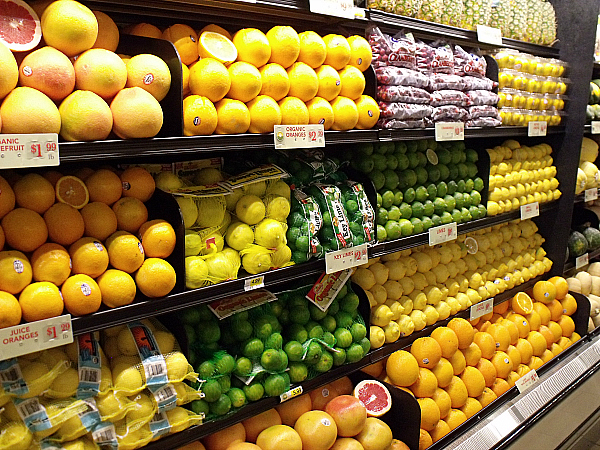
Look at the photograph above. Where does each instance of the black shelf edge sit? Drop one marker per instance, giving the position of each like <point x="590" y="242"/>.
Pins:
<point x="579" y="198"/>
<point x="570" y="265"/>
<point x="587" y="128"/>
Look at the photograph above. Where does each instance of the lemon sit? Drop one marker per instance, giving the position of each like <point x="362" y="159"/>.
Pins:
<point x="165" y="341"/>
<point x="212" y="243"/>
<point x="293" y="111"/>
<point x="345" y="113"/>
<point x="275" y="81"/>
<point x="258" y="188"/>
<point x="258" y="260"/>
<point x="217" y="46"/>
<point x="213" y="211"/>
<point x="252" y="46"/>
<point x="65" y="385"/>
<point x="280" y="188"/>
<point x="330" y="84"/>
<point x="246" y="81"/>
<point x="127" y="379"/>
<point x="304" y="82"/>
<point x="312" y="49"/>
<point x="199" y="116"/>
<point x="15" y="435"/>
<point x="221" y="267"/>
<point x="281" y="256"/>
<point x="269" y="233"/>
<point x="189" y="210"/>
<point x="320" y="112"/>
<point x="185" y="79"/>
<point x="209" y="78"/>
<point x="232" y="199"/>
<point x="250" y="209"/>
<point x="225" y="223"/>
<point x="264" y="114"/>
<point x="239" y="235"/>
<point x="196" y="272"/>
<point x="232" y="256"/>
<point x="177" y="366"/>
<point x="376" y="336"/>
<point x="285" y="45"/>
<point x="338" y="51"/>
<point x="168" y="181"/>
<point x="144" y="408"/>
<point x="278" y="208"/>
<point x="353" y="82"/>
<point x="360" y="52"/>
<point x="233" y="117"/>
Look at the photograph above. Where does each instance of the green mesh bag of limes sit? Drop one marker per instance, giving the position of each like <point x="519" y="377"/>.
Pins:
<point x="304" y="223"/>
<point x="359" y="210"/>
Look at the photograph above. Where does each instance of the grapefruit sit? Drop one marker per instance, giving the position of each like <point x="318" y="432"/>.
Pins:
<point x="374" y="396"/>
<point x="290" y="410"/>
<point x="376" y="435"/>
<point x="128" y="122"/>
<point x="85" y="116"/>
<point x="27" y="110"/>
<point x="349" y="414"/>
<point x="256" y="424"/>
<point x="49" y="71"/>
<point x="10" y="71"/>
<point x="224" y="438"/>
<point x="20" y="30"/>
<point x="108" y="32"/>
<point x="100" y="71"/>
<point x="317" y="429"/>
<point x="69" y="27"/>
<point x="279" y="437"/>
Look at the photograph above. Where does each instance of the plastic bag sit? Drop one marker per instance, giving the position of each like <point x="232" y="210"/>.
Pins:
<point x="484" y="122"/>
<point x="404" y="111"/>
<point x="475" y="83"/>
<point x="360" y="212"/>
<point x="476" y="112"/>
<point x="424" y="56"/>
<point x="403" y="51"/>
<point x="400" y="76"/>
<point x="449" y="113"/>
<point x="397" y="123"/>
<point x="449" y="97"/>
<point x="404" y="94"/>
<point x="32" y="376"/>
<point x="481" y="97"/>
<point x="304" y="224"/>
<point x="442" y="59"/>
<point x="442" y="81"/>
<point x="468" y="63"/>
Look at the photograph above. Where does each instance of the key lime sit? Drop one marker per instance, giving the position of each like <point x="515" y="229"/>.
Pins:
<point x="329" y="339"/>
<point x="253" y="348"/>
<point x="354" y="353"/>
<point x="316" y="313"/>
<point x="392" y="229"/>
<point x="271" y="359"/>
<point x="200" y="407"/>
<point x="417" y="225"/>
<point x="237" y="397"/>
<point x="393" y="214"/>
<point x="191" y="316"/>
<point x="275" y="385"/>
<point x="343" y="337"/>
<point x="315" y="331"/>
<point x="406" y="227"/>
<point x="297" y="332"/>
<point x="298" y="372"/>
<point x="359" y="331"/>
<point x="243" y="367"/>
<point x="314" y="353"/>
<point x="294" y="350"/>
<point x="325" y="363"/>
<point x="349" y="302"/>
<point x="211" y="390"/>
<point x="206" y="370"/>
<point x="381" y="233"/>
<point x="418" y="209"/>
<point x="333" y="308"/>
<point x="225" y="383"/>
<point x="225" y="364"/>
<point x="208" y="332"/>
<point x="254" y="391"/>
<point x="343" y="319"/>
<point x="274" y="341"/>
<point x="241" y="330"/>
<point x="339" y="356"/>
<point x="328" y="323"/>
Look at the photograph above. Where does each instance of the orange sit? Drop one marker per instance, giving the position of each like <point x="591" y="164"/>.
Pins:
<point x="458" y="392"/>
<point x="81" y="295"/>
<point x="24" y="229"/>
<point x="15" y="271"/>
<point x="535" y="321"/>
<point x="343" y="386"/>
<point x="108" y="32"/>
<point x="544" y="291"/>
<point x="7" y="198"/>
<point x="501" y="308"/>
<point x="158" y="238"/>
<point x="224" y="438"/>
<point x="131" y="213"/>
<point x="290" y="410"/>
<point x="500" y="335"/>
<point x="488" y="370"/>
<point x="440" y="430"/>
<point x="444" y="372"/>
<point x="323" y="395"/>
<point x="471" y="407"/>
<point x="402" y="368"/>
<point x="455" y="418"/>
<point x="472" y="354"/>
<point x="562" y="288"/>
<point x="425" y="440"/>
<point x="512" y="378"/>
<point x="426" y="351"/>
<point x="556" y="349"/>
<point x="285" y="45"/>
<point x="65" y="224"/>
<point x="88" y="257"/>
<point x="137" y="182"/>
<point x="487" y="397"/>
<point x="155" y="278"/>
<point x="10" y="311"/>
<point x="117" y="288"/>
<point x="99" y="219"/>
<point x="502" y="363"/>
<point x="34" y="192"/>
<point x="430" y="413"/>
<point x="51" y="262"/>
<point x="317" y="429"/>
<point x="185" y="40"/>
<point x="521" y="323"/>
<point x="535" y="362"/>
<point x="567" y="325"/>
<point x="458" y="362"/>
<point x="474" y="381"/>
<point x="500" y="386"/>
<point x="360" y="52"/>
<point x="556" y="310"/>
<point x="569" y="305"/>
<point x="464" y="331"/>
<point x="215" y="29"/>
<point x="515" y="356"/>
<point x="564" y="342"/>
<point x="443" y="401"/>
<point x="147" y="30"/>
<point x="40" y="301"/>
<point x="255" y="424"/>
<point x="543" y="311"/>
<point x="52" y="176"/>
<point x="547" y="356"/>
<point x="72" y="191"/>
<point x="522" y="370"/>
<point x="556" y="331"/>
<point x="276" y="437"/>
<point x="104" y="186"/>
<point x="525" y="349"/>
<point x="338" y="51"/>
<point x="376" y="369"/>
<point x="241" y="446"/>
<point x="2" y="239"/>
<point x="521" y="303"/>
<point x="538" y="342"/>
<point x="575" y="337"/>
<point x="425" y="385"/>
<point x="512" y="329"/>
<point x="483" y="325"/>
<point x="447" y="339"/>
<point x="125" y="251"/>
<point x="84" y="173"/>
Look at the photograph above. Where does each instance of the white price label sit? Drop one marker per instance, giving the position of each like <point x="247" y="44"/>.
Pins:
<point x="527" y="380"/>
<point x="449" y="131"/>
<point x="338" y="8"/>
<point x="346" y="258"/>
<point x="481" y="309"/>
<point x="28" y="150"/>
<point x="34" y="336"/>
<point x="537" y="128"/>
<point x="254" y="283"/>
<point x="489" y="35"/>
<point x="530" y="210"/>
<point x="298" y="136"/>
<point x="443" y="233"/>
<point x="291" y="394"/>
<point x="582" y="261"/>
<point x="595" y="127"/>
<point x="591" y="194"/>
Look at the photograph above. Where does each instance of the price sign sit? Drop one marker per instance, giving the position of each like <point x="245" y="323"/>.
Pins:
<point x="254" y="283"/>
<point x="298" y="136"/>
<point x="346" y="258"/>
<point x="481" y="308"/>
<point x="527" y="380"/>
<point x="28" y="150"/>
<point x="582" y="261"/>
<point x="530" y="210"/>
<point x="242" y="302"/>
<point x="34" y="336"/>
<point x="591" y="194"/>
<point x="595" y="127"/>
<point x="443" y="233"/>
<point x="291" y="394"/>
<point x="489" y="35"/>
<point x="338" y="8"/>
<point x="537" y="128"/>
<point x="449" y="131"/>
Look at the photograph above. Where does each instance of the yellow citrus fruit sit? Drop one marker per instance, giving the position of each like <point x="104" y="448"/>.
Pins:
<point x="264" y="114"/>
<point x="108" y="32"/>
<point x="285" y="45"/>
<point x="199" y="116"/>
<point x="567" y="325"/>
<point x="85" y="116"/>
<point x="472" y="354"/>
<point x="471" y="407"/>
<point x="136" y="114"/>
<point x="34" y="192"/>
<point x="41" y="300"/>
<point x="233" y="117"/>
<point x="544" y="291"/>
<point x="88" y="257"/>
<point x="440" y="430"/>
<point x="521" y="323"/>
<point x="543" y="311"/>
<point x="209" y="78"/>
<point x="443" y="401"/>
<point x="360" y="52"/>
<point x="81" y="295"/>
<point x="10" y="311"/>
<point x="500" y="386"/>
<point x="185" y="80"/>
<point x="556" y="310"/>
<point x="486" y="343"/>
<point x="444" y="372"/>
<point x="525" y="349"/>
<point x="521" y="303"/>
<point x="147" y="30"/>
<point x="534" y="320"/>
<point x="464" y="331"/>
<point x="224" y="438"/>
<point x="535" y="363"/>
<point x="457" y="391"/>
<point x="10" y="73"/>
<point x="185" y="40"/>
<point x="138" y="183"/>
<point x="275" y="81"/>
<point x="24" y="229"/>
<point x="312" y="49"/>
<point x="69" y="27"/>
<point x="569" y="305"/>
<point x="500" y="335"/>
<point x="52" y="176"/>
<point x="293" y="111"/>
<point x="426" y="351"/>
<point x="345" y="114"/>
<point x="402" y="368"/>
<point x="458" y="362"/>
<point x="488" y="371"/>
<point x="537" y="341"/>
<point x="487" y="396"/>
<point x="502" y="363"/>
<point x="425" y="440"/>
<point x="16" y="271"/>
<point x="338" y="51"/>
<point x="273" y="438"/>
<point x="125" y="251"/>
<point x="215" y="29"/>
<point x="252" y="46"/>
<point x="99" y="220"/>
<point x="117" y="288"/>
<point x="100" y="71"/>
<point x="158" y="238"/>
<point x="2" y="239"/>
<point x="474" y="381"/>
<point x="455" y="418"/>
<point x="51" y="262"/>
<point x="27" y="110"/>
<point x="330" y="84"/>
<point x="49" y="71"/>
<point x="131" y="213"/>
<point x="150" y="73"/>
<point x="65" y="224"/>
<point x="155" y="278"/>
<point x="217" y="46"/>
<point x="246" y="81"/>
<point x="304" y="82"/>
<point x="320" y="112"/>
<point x="368" y="112"/>
<point x="7" y="197"/>
<point x="547" y="356"/>
<point x="430" y="413"/>
<point x="353" y="82"/>
<point x="447" y="339"/>
<point x="425" y="385"/>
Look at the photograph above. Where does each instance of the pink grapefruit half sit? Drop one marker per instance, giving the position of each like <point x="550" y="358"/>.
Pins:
<point x="20" y="28"/>
<point x="374" y="396"/>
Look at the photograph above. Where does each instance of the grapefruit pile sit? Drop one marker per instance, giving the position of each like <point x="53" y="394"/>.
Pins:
<point x="76" y="85"/>
<point x="78" y="241"/>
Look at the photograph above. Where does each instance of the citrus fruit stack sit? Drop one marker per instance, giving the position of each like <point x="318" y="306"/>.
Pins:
<point x="252" y="81"/>
<point x="70" y="242"/>
<point x="520" y="175"/>
<point x="67" y="86"/>
<point x="414" y="288"/>
<point x="463" y="367"/>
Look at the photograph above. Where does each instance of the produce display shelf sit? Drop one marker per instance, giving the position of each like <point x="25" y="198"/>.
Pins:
<point x="587" y="128"/>
<point x="579" y="198"/>
<point x="570" y="265"/>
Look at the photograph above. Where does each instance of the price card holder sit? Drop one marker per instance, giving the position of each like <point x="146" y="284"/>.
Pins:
<point x="582" y="261"/>
<point x="346" y="258"/>
<point x="449" y="131"/>
<point x="443" y="233"/>
<point x="481" y="308"/>
<point x="595" y="127"/>
<point x="291" y="394"/>
<point x="254" y="283"/>
<point x="529" y="211"/>
<point x="338" y="8"/>
<point x="34" y="336"/>
<point x="489" y="35"/>
<point x="298" y="136"/>
<point x="28" y="150"/>
<point x="537" y="128"/>
<point x="591" y="194"/>
<point x="527" y="380"/>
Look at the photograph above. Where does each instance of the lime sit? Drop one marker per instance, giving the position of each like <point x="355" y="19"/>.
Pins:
<point x="315" y="331"/>
<point x="453" y="171"/>
<point x="428" y="208"/>
<point x="328" y="323"/>
<point x="274" y="341"/>
<point x="297" y="332"/>
<point x="242" y="330"/>
<point x="444" y="171"/>
<point x="460" y="186"/>
<point x="394" y="213"/>
<point x="409" y="195"/>
<point x="439" y="206"/>
<point x="314" y="353"/>
<point x="478" y="184"/>
<point x="436" y="220"/>
<point x="431" y="192"/>
<point x="471" y="170"/>
<point x="315" y="312"/>
<point x="221" y="406"/>
<point x="243" y="367"/>
<point x="254" y="391"/>
<point x="433" y="173"/>
<point x="358" y="330"/>
<point x="475" y="198"/>
<point x="329" y="338"/>
<point x="381" y="233"/>
<point x="271" y="359"/>
<point x="300" y="315"/>
<point x="456" y="216"/>
<point x="393" y="230"/>
<point x="225" y="383"/>
<point x="391" y="179"/>
<point x="225" y="364"/>
<point x="302" y="244"/>
<point x="253" y="348"/>
<point x="262" y="328"/>
<point x="379" y="200"/>
<point x="422" y="158"/>
<point x="456" y="156"/>
<point x="387" y="199"/>
<point x="349" y="302"/>
<point x="450" y="202"/>
<point x="294" y="350"/>
<point x="206" y="370"/>
<point x="405" y="210"/>
<point x="421" y="193"/>
<point x="382" y="216"/>
<point x="205" y="313"/>
<point x="208" y="332"/>
<point x="227" y="338"/>
<point x="406" y="227"/>
<point x="354" y="353"/>
<point x="466" y="213"/>
<point x="211" y="390"/>
<point x="413" y="160"/>
<point x="472" y="155"/>
<point x="274" y="385"/>
<point x="442" y="189"/>
<point x="296" y="220"/>
<point x="299" y="257"/>
<point x="342" y="292"/>
<point x="191" y="316"/>
<point x="190" y="333"/>
<point x="366" y="148"/>
<point x="458" y="199"/>
<point x="365" y="343"/>
<point x="292" y="234"/>
<point x="325" y="363"/>
<point x="403" y="161"/>
<point x="426" y="223"/>
<point x="422" y="175"/>
<point x="380" y="161"/>
<point x="326" y="215"/>
<point x="467" y="201"/>
<point x="444" y="156"/>
<point x="343" y="337"/>
<point x="469" y="185"/>
<point x="343" y="319"/>
<point x="200" y="407"/>
<point x="377" y="178"/>
<point x="297" y="299"/>
<point x="411" y="146"/>
<point x="398" y="197"/>
<point x="410" y="176"/>
<point x="339" y="356"/>
<point x="392" y="162"/>
<point x="446" y="218"/>
<point x="417" y="209"/>
<point x="482" y="211"/>
<point x="298" y="372"/>
<point x="417" y="225"/>
<point x="237" y="397"/>
<point x="452" y="187"/>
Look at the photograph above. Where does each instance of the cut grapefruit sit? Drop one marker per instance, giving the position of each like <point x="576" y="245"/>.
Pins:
<point x="374" y="396"/>
<point x="20" y="28"/>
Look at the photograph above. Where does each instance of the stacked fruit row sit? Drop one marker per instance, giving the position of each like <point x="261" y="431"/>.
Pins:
<point x="415" y="288"/>
<point x="588" y="174"/>
<point x="587" y="282"/>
